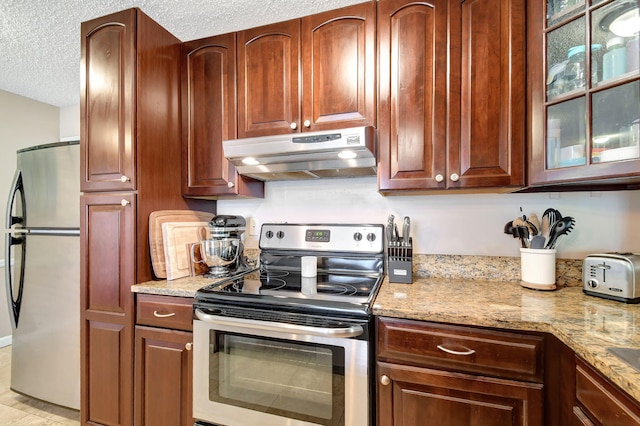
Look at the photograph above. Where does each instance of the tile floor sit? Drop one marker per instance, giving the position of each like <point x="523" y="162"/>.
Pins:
<point x="20" y="410"/>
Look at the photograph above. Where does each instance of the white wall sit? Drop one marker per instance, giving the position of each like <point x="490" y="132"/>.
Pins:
<point x="70" y="123"/>
<point x="23" y="123"/>
<point x="453" y="223"/>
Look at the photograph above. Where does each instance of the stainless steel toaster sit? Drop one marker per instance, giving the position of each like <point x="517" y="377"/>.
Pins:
<point x="613" y="276"/>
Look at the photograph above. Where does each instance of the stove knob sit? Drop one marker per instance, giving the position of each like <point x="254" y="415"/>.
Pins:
<point x="280" y="234"/>
<point x="269" y="234"/>
<point x="357" y="236"/>
<point x="371" y="237"/>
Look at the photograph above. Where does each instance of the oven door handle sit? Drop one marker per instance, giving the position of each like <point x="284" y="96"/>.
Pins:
<point x="344" y="332"/>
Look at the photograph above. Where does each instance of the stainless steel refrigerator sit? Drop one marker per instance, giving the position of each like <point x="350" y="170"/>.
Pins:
<point x="42" y="240"/>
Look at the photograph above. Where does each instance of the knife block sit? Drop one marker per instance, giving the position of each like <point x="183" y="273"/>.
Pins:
<point x="400" y="263"/>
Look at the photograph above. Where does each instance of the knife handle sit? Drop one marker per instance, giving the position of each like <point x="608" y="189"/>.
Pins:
<point x="406" y="229"/>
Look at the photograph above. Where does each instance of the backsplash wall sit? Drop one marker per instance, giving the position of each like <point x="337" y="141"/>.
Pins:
<point x="452" y="224"/>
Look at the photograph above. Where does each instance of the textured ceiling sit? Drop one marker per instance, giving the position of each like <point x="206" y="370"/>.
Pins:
<point x="40" y="40"/>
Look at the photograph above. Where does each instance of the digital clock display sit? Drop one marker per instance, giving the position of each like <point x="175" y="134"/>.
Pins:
<point x="317" y="235"/>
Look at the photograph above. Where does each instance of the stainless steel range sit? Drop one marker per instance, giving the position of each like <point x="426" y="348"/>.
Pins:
<point x="292" y="343"/>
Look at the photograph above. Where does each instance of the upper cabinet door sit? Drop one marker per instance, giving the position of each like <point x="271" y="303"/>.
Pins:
<point x="338" y="68"/>
<point x="209" y="117"/>
<point x="268" y="91"/>
<point x="452" y="94"/>
<point x="107" y="103"/>
<point x="412" y="118"/>
<point x="585" y="101"/>
<point x="490" y="124"/>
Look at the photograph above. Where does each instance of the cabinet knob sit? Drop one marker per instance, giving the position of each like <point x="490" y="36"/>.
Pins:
<point x="385" y="380"/>
<point x="124" y="202"/>
<point x="124" y="179"/>
<point x="454" y="177"/>
<point x="439" y="178"/>
<point x="231" y="184"/>
<point x="188" y="346"/>
<point x="307" y="123"/>
<point x="293" y="125"/>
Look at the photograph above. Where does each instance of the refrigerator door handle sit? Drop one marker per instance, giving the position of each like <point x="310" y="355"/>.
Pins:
<point x="64" y="232"/>
<point x="11" y="240"/>
<point x="16" y="186"/>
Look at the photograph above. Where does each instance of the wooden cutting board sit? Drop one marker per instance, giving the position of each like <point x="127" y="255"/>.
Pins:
<point x="156" y="219"/>
<point x="178" y="237"/>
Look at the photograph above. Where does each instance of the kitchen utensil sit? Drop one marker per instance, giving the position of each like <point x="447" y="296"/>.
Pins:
<point x="219" y="254"/>
<point x="533" y="224"/>
<point x="156" y="244"/>
<point x="389" y="229"/>
<point x="406" y="227"/>
<point x="544" y="227"/>
<point x="561" y="227"/>
<point x="523" y="234"/>
<point x="538" y="242"/>
<point x="553" y="215"/>
<point x="519" y="230"/>
<point x="508" y="229"/>
<point x="177" y="238"/>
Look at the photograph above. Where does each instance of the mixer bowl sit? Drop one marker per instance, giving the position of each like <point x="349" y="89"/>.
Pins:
<point x="220" y="254"/>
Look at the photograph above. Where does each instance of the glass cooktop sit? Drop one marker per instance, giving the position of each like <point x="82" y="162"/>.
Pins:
<point x="290" y="284"/>
<point x="326" y="290"/>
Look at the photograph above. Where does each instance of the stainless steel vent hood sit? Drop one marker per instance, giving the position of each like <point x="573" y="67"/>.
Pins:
<point x="309" y="155"/>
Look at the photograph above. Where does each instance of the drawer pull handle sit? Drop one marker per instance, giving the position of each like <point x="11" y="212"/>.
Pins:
<point x="159" y="315"/>
<point x="385" y="380"/>
<point x="188" y="346"/>
<point x="452" y="352"/>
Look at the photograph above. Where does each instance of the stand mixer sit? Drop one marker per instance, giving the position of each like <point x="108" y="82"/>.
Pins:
<point x="223" y="252"/>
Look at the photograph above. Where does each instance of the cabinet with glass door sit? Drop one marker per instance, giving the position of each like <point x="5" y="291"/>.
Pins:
<point x="585" y="95"/>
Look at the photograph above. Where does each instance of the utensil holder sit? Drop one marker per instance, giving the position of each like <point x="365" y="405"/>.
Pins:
<point x="400" y="263"/>
<point x="538" y="268"/>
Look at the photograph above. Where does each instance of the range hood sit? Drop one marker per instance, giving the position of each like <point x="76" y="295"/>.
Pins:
<point x="310" y="155"/>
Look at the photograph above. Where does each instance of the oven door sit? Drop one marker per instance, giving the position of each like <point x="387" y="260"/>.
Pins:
<point x="253" y="372"/>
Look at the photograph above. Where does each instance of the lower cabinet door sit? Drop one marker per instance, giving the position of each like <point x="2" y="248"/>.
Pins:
<point x="409" y="396"/>
<point x="580" y="418"/>
<point x="163" y="377"/>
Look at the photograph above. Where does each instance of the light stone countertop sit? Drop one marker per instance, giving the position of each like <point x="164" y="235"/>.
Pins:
<point x="586" y="324"/>
<point x="181" y="287"/>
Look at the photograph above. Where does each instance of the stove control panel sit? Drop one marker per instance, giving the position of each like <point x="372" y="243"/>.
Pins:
<point x="337" y="237"/>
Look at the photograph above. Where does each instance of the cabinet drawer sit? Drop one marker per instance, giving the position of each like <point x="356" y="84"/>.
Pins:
<point x="459" y="348"/>
<point x="165" y="311"/>
<point x="603" y="402"/>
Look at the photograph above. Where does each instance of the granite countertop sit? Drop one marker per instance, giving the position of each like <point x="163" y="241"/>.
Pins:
<point x="586" y="324"/>
<point x="181" y="287"/>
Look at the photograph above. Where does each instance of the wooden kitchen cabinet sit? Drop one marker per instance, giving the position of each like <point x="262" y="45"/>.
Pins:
<point x="451" y="95"/>
<point x="601" y="403"/>
<point x="583" y="122"/>
<point x="107" y="104"/>
<point x="209" y="117"/>
<point x="309" y="74"/>
<point x="455" y="375"/>
<point x="129" y="126"/>
<point x="107" y="271"/>
<point x="163" y="361"/>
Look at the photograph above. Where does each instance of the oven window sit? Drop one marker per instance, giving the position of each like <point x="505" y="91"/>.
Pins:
<point x="298" y="380"/>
